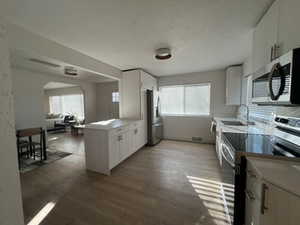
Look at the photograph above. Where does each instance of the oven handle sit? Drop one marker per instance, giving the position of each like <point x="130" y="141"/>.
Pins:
<point x="281" y="151"/>
<point x="224" y="156"/>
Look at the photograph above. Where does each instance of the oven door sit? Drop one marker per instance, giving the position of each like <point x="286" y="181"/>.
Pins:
<point x="228" y="168"/>
<point x="228" y="180"/>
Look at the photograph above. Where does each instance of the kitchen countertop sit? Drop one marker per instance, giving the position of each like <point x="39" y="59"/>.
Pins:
<point x="258" y="128"/>
<point x="110" y="124"/>
<point x="282" y="173"/>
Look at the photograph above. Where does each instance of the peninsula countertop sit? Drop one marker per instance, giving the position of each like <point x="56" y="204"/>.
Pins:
<point x="110" y="124"/>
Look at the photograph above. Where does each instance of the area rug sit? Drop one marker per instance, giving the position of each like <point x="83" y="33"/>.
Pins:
<point x="27" y="165"/>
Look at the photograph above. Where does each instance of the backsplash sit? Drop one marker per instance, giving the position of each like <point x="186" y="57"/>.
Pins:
<point x="266" y="113"/>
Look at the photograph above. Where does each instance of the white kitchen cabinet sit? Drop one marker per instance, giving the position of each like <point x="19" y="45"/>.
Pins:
<point x="248" y="66"/>
<point x="107" y="143"/>
<point x="272" y="192"/>
<point x="280" y="206"/>
<point x="288" y="32"/>
<point x="233" y="85"/>
<point x="130" y="93"/>
<point x="138" y="137"/>
<point x="125" y="145"/>
<point x="277" y="26"/>
<point x="265" y="36"/>
<point x="134" y="84"/>
<point x="114" y="153"/>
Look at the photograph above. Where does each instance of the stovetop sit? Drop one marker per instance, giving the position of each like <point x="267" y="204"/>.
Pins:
<point x="254" y="143"/>
<point x="261" y="144"/>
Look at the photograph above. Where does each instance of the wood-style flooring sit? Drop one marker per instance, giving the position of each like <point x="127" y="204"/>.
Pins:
<point x="173" y="183"/>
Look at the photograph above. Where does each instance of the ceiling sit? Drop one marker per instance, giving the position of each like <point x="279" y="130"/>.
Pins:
<point x="203" y="34"/>
<point x="20" y="59"/>
<point x="55" y="85"/>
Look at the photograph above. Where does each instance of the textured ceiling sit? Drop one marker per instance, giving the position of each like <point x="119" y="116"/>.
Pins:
<point x="203" y="34"/>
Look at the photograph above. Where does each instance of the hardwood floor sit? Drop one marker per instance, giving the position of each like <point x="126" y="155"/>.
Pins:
<point x="169" y="184"/>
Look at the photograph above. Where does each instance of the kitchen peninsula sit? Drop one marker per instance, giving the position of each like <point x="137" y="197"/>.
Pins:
<point x="108" y="143"/>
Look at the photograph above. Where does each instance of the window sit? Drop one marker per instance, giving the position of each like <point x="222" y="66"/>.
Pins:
<point x="67" y="104"/>
<point x="185" y="100"/>
<point x="115" y="97"/>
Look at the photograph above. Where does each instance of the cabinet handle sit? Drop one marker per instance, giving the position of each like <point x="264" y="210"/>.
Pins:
<point x="250" y="195"/>
<point x="263" y="199"/>
<point x="272" y="54"/>
<point x="251" y="174"/>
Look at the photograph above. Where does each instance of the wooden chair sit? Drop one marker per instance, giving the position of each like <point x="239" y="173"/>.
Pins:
<point x="32" y="145"/>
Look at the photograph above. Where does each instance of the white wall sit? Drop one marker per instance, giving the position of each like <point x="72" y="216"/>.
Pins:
<point x="106" y="109"/>
<point x="29" y="97"/>
<point x="183" y="127"/>
<point x="11" y="211"/>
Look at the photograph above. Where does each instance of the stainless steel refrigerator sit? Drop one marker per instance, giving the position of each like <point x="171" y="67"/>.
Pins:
<point x="154" y="121"/>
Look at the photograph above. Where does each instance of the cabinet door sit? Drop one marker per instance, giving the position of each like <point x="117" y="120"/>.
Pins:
<point x="148" y="81"/>
<point x="134" y="139"/>
<point x="114" y="151"/>
<point x="131" y="95"/>
<point x="265" y="36"/>
<point x="233" y="85"/>
<point x="124" y="145"/>
<point x="281" y="207"/>
<point x="288" y="32"/>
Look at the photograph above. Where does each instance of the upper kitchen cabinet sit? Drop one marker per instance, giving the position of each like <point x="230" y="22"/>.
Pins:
<point x="277" y="26"/>
<point x="288" y="32"/>
<point x="233" y="85"/>
<point x="134" y="84"/>
<point x="265" y="36"/>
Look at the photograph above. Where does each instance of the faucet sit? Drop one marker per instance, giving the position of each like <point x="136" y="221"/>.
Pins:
<point x="247" y="107"/>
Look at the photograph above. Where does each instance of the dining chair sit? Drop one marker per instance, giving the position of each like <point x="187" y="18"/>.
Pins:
<point x="33" y="146"/>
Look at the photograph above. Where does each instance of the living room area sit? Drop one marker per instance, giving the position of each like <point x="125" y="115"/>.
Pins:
<point x="53" y="100"/>
<point x="64" y="115"/>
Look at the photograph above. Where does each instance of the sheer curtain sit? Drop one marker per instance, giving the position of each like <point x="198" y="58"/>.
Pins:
<point x="67" y="104"/>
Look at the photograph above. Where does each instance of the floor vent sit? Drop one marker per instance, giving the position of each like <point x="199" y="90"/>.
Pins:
<point x="197" y="139"/>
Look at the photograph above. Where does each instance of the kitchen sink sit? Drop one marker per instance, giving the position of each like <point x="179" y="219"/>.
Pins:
<point x="233" y="123"/>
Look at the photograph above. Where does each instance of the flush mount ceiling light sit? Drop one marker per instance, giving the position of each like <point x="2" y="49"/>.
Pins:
<point x="71" y="71"/>
<point x="163" y="54"/>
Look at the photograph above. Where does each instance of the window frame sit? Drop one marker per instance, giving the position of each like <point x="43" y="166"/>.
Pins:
<point x="184" y="97"/>
<point x="115" y="98"/>
<point x="61" y="104"/>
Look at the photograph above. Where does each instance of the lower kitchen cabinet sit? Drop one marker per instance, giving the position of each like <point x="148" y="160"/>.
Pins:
<point x="120" y="146"/>
<point x="106" y="148"/>
<point x="279" y="206"/>
<point x="269" y="201"/>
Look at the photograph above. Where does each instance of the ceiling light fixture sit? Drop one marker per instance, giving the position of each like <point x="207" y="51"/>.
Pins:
<point x="71" y="71"/>
<point x="163" y="53"/>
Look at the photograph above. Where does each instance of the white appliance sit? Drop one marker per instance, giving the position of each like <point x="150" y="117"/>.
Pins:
<point x="278" y="83"/>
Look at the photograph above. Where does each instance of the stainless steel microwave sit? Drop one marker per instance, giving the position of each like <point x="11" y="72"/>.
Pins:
<point x="278" y="82"/>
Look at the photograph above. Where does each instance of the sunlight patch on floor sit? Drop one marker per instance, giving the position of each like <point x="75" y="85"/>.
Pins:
<point x="217" y="197"/>
<point x="38" y="218"/>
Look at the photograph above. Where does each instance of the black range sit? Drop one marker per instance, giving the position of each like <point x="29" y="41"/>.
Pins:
<point x="285" y="142"/>
<point x="254" y="143"/>
<point x="260" y="144"/>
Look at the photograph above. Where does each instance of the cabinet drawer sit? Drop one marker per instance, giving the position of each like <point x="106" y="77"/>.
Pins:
<point x="119" y="131"/>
